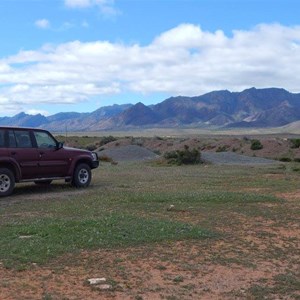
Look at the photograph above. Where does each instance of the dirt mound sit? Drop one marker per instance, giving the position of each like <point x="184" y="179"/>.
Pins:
<point x="128" y="153"/>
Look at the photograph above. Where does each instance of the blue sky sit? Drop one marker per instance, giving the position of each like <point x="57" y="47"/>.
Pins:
<point x="79" y="55"/>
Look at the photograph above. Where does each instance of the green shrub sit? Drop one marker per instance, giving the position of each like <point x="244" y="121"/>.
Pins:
<point x="186" y="156"/>
<point x="295" y="143"/>
<point x="106" y="140"/>
<point x="285" y="159"/>
<point x="223" y="148"/>
<point x="91" y="147"/>
<point x="256" y="145"/>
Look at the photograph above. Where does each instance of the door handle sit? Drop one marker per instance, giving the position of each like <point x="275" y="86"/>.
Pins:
<point x="13" y="153"/>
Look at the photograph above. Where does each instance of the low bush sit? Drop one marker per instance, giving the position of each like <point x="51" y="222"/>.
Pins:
<point x="91" y="147"/>
<point x="256" y="145"/>
<point x="183" y="157"/>
<point x="223" y="148"/>
<point x="107" y="139"/>
<point x="285" y="159"/>
<point x="295" y="143"/>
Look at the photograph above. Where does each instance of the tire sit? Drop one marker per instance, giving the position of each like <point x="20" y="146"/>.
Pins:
<point x="82" y="176"/>
<point x="43" y="182"/>
<point x="7" y="182"/>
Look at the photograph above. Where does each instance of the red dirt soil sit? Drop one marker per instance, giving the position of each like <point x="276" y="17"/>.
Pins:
<point x="224" y="268"/>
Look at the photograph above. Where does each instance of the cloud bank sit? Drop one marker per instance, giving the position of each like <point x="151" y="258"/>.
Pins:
<point x="182" y="61"/>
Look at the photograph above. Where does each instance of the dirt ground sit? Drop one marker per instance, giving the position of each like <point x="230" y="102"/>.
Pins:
<point x="239" y="266"/>
<point x="246" y="263"/>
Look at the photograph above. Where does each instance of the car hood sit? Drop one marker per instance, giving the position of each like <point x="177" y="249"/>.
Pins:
<point x="77" y="150"/>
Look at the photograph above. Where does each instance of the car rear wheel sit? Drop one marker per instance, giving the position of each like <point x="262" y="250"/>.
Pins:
<point x="7" y="182"/>
<point x="82" y="176"/>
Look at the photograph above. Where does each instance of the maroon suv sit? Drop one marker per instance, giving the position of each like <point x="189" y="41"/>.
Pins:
<point x="28" y="154"/>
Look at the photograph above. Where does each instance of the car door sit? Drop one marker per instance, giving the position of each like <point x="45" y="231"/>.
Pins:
<point x="22" y="150"/>
<point x="3" y="147"/>
<point x="52" y="161"/>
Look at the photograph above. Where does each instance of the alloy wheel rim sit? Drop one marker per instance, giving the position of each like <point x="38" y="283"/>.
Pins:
<point x="4" y="183"/>
<point x="83" y="176"/>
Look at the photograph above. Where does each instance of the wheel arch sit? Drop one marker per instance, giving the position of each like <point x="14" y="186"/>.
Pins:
<point x="82" y="161"/>
<point x="14" y="168"/>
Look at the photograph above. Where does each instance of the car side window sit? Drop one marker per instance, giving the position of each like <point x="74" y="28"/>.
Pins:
<point x="22" y="138"/>
<point x="11" y="139"/>
<point x="44" y="140"/>
<point x="2" y="141"/>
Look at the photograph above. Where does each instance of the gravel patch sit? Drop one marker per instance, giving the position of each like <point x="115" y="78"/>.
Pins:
<point x="230" y="158"/>
<point x="128" y="153"/>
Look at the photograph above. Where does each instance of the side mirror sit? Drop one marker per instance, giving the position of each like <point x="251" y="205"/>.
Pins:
<point x="59" y="145"/>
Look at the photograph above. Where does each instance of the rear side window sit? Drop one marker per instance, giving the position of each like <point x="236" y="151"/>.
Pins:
<point x="22" y="139"/>
<point x="11" y="139"/>
<point x="2" y="141"/>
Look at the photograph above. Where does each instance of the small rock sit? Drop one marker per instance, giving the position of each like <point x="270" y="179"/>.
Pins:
<point x="171" y="207"/>
<point x="95" y="281"/>
<point x="25" y="236"/>
<point x="105" y="287"/>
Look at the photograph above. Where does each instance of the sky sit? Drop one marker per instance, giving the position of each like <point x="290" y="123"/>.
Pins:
<point x="79" y="55"/>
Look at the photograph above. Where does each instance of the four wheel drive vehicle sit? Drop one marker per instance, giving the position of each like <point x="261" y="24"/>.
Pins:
<point x="28" y="154"/>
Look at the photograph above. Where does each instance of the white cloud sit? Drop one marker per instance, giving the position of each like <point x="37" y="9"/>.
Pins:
<point x="66" y="26"/>
<point x="37" y="111"/>
<point x="78" y="3"/>
<point x="187" y="35"/>
<point x="42" y="23"/>
<point x="107" y="7"/>
<point x="184" y="60"/>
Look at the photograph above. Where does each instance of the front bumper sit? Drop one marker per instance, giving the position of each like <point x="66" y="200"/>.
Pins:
<point x="95" y="164"/>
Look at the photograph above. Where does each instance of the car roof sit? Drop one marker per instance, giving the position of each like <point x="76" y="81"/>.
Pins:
<point x="21" y="128"/>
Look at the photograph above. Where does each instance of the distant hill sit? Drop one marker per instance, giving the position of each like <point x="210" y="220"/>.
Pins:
<point x="269" y="107"/>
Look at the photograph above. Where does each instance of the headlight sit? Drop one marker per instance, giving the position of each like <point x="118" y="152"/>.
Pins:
<point x="95" y="156"/>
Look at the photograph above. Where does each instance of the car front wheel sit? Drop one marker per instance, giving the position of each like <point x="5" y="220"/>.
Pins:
<point x="82" y="176"/>
<point x="7" y="182"/>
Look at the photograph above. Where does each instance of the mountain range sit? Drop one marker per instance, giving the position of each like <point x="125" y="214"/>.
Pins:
<point x="251" y="108"/>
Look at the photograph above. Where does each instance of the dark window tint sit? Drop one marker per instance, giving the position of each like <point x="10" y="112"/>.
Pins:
<point x="12" y="139"/>
<point x="23" y="139"/>
<point x="2" y="141"/>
